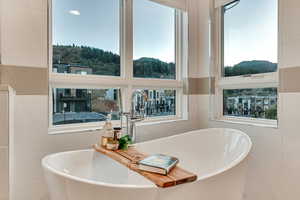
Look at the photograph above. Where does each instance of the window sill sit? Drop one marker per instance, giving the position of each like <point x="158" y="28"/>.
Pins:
<point x="95" y="127"/>
<point x="249" y="122"/>
<point x="161" y="121"/>
<point x="69" y="129"/>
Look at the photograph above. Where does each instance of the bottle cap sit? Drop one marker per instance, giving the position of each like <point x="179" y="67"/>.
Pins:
<point x="117" y="128"/>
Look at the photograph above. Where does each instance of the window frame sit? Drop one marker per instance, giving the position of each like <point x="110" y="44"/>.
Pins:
<point x="126" y="82"/>
<point x="263" y="80"/>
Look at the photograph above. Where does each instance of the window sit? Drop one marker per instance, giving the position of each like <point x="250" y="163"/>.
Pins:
<point x="154" y="40"/>
<point x="102" y="51"/>
<point x="160" y="105"/>
<point x="86" y="37"/>
<point x="253" y="103"/>
<point x="84" y="105"/>
<point x="248" y="79"/>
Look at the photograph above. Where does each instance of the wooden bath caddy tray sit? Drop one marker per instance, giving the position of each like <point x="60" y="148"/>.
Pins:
<point x="130" y="157"/>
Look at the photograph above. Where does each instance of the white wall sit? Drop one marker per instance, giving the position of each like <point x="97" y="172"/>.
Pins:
<point x="24" y="43"/>
<point x="274" y="164"/>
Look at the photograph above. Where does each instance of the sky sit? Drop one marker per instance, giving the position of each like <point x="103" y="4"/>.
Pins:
<point x="250" y="32"/>
<point x="250" y="28"/>
<point x="95" y="23"/>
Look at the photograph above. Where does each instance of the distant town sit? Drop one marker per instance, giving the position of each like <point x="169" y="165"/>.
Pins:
<point x="93" y="105"/>
<point x="254" y="103"/>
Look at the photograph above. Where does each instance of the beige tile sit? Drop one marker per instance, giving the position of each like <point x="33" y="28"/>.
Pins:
<point x="4" y="173"/>
<point x="3" y="118"/>
<point x="202" y="86"/>
<point x="290" y="34"/>
<point x="25" y="80"/>
<point x="289" y="79"/>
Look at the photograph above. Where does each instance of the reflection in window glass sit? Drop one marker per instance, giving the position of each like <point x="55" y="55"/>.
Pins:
<point x="254" y="103"/>
<point x="154" y="40"/>
<point x="86" y="37"/>
<point x="160" y="102"/>
<point x="250" y="37"/>
<point x="84" y="105"/>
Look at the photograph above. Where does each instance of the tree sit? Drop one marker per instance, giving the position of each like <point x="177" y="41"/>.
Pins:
<point x="271" y="113"/>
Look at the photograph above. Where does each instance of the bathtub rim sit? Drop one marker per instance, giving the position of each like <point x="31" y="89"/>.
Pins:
<point x="234" y="163"/>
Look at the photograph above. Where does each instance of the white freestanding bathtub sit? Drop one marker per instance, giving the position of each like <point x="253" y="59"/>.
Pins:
<point x="217" y="156"/>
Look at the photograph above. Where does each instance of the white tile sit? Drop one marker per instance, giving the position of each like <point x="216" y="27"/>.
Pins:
<point x="291" y="145"/>
<point x="24" y="33"/>
<point x="32" y="143"/>
<point x="3" y="118"/>
<point x="264" y="176"/>
<point x="4" y="174"/>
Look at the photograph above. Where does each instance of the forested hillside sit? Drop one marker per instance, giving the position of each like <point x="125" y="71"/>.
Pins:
<point x="108" y="63"/>
<point x="153" y="68"/>
<point x="250" y="67"/>
<point x="101" y="62"/>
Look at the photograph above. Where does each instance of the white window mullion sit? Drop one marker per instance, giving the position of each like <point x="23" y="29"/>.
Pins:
<point x="156" y="83"/>
<point x="127" y="60"/>
<point x="127" y="98"/>
<point x="178" y="45"/>
<point x="179" y="103"/>
<point x="181" y="44"/>
<point x="122" y="42"/>
<point x="87" y="81"/>
<point x="50" y="107"/>
<point x="127" y="38"/>
<point x="253" y="81"/>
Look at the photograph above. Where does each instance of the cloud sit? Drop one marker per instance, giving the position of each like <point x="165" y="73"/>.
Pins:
<point x="74" y="12"/>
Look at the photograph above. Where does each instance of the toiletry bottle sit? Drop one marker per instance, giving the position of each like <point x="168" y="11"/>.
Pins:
<point x="117" y="133"/>
<point x="112" y="144"/>
<point x="108" y="131"/>
<point x="108" y="127"/>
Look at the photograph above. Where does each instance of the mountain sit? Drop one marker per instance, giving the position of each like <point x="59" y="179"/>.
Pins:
<point x="107" y="63"/>
<point x="153" y="68"/>
<point x="250" y="67"/>
<point x="102" y="62"/>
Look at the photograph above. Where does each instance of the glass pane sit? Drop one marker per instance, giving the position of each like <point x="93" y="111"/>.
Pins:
<point x="250" y="37"/>
<point x="154" y="40"/>
<point x="254" y="103"/>
<point x="160" y="102"/>
<point x="84" y="105"/>
<point x="86" y="37"/>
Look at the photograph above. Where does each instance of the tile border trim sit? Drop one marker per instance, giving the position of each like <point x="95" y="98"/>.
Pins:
<point x="199" y="86"/>
<point x="25" y="80"/>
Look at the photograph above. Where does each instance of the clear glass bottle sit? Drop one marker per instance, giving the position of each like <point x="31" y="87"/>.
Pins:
<point x="108" y="131"/>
